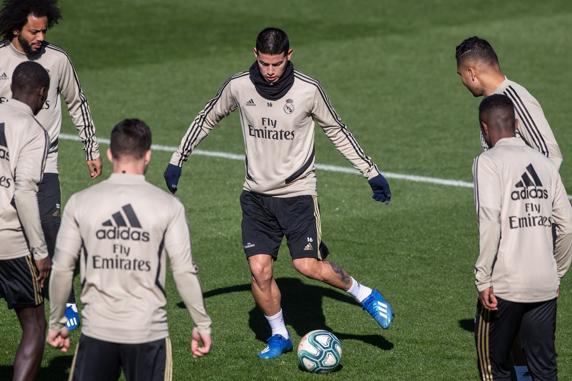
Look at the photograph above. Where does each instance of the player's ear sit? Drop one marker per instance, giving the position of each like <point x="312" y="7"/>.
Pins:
<point x="42" y="96"/>
<point x="289" y="54"/>
<point x="109" y="155"/>
<point x="484" y="127"/>
<point x="485" y="132"/>
<point x="255" y="53"/>
<point x="43" y="92"/>
<point x="472" y="73"/>
<point x="515" y="126"/>
<point x="147" y="157"/>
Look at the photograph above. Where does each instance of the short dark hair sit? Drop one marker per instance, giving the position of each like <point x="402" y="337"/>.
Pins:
<point x="28" y="77"/>
<point x="498" y="111"/>
<point x="14" y="14"/>
<point x="272" y="41"/>
<point x="130" y="137"/>
<point x="476" y="48"/>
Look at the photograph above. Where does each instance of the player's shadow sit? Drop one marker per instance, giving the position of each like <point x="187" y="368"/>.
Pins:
<point x="467" y="325"/>
<point x="57" y="369"/>
<point x="302" y="306"/>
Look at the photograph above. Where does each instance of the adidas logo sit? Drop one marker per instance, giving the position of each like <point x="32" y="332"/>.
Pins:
<point x="120" y="225"/>
<point x="309" y="246"/>
<point x="528" y="186"/>
<point x="381" y="309"/>
<point x="529" y="178"/>
<point x="3" y="77"/>
<point x="251" y="102"/>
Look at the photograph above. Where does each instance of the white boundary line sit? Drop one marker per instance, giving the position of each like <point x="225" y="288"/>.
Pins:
<point x="322" y="167"/>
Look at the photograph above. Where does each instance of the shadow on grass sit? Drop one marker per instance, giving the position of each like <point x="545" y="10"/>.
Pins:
<point x="302" y="306"/>
<point x="467" y="324"/>
<point x="57" y="369"/>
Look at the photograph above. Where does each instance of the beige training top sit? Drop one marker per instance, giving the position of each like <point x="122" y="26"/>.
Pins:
<point x="63" y="81"/>
<point x="278" y="135"/>
<point x="518" y="197"/>
<point x="532" y="126"/>
<point x="23" y="149"/>
<point x="121" y="230"/>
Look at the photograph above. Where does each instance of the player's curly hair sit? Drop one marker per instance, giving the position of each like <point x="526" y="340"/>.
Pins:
<point x="476" y="48"/>
<point x="14" y="14"/>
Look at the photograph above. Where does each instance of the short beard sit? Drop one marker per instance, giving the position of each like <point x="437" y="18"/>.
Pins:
<point x="26" y="46"/>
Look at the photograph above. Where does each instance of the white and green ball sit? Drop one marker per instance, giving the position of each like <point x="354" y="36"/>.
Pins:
<point x="319" y="351"/>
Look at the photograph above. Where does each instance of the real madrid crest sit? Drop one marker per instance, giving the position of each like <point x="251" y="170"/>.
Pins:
<point x="289" y="106"/>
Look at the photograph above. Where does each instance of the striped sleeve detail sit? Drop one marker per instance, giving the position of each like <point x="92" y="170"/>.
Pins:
<point x="158" y="275"/>
<point x="358" y="150"/>
<point x="528" y="122"/>
<point x="476" y="185"/>
<point x="45" y="155"/>
<point x="46" y="147"/>
<point x="87" y="131"/>
<point x="192" y="137"/>
<point x="84" y="253"/>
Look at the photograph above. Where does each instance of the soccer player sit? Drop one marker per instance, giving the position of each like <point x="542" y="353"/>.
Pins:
<point x="24" y="261"/>
<point x="278" y="107"/>
<point x="519" y="196"/>
<point x="479" y="69"/>
<point x="23" y="25"/>
<point x="121" y="230"/>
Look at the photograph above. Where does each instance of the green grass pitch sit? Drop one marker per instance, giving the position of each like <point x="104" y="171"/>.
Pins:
<point x="389" y="69"/>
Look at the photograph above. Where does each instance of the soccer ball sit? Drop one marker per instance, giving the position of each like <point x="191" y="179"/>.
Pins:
<point x="319" y="351"/>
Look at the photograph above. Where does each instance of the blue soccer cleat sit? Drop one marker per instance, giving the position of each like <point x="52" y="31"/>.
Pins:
<point x="277" y="344"/>
<point x="72" y="316"/>
<point x="378" y="308"/>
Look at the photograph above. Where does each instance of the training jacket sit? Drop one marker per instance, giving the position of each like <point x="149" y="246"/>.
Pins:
<point x="278" y="135"/>
<point x="121" y="230"/>
<point x="23" y="149"/>
<point x="532" y="126"/>
<point x="519" y="196"/>
<point x="63" y="81"/>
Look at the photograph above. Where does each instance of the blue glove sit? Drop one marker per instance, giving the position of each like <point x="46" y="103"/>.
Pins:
<point x="172" y="175"/>
<point x="380" y="188"/>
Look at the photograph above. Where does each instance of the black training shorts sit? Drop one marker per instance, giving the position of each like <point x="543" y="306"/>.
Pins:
<point x="98" y="360"/>
<point x="19" y="283"/>
<point x="266" y="220"/>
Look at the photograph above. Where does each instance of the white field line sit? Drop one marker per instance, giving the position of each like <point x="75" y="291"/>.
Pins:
<point x="322" y="167"/>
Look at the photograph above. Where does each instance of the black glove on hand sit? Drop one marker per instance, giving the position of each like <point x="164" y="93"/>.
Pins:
<point x="380" y="188"/>
<point x="172" y="175"/>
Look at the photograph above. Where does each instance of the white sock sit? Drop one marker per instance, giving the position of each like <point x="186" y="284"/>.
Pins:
<point x="277" y="324"/>
<point x="72" y="305"/>
<point x="359" y="291"/>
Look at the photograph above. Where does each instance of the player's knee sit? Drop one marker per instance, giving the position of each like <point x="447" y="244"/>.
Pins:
<point x="261" y="272"/>
<point x="34" y="323"/>
<point x="33" y="341"/>
<point x="308" y="267"/>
